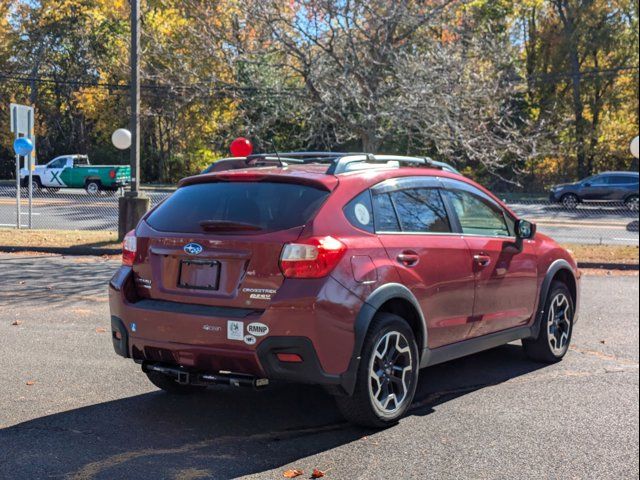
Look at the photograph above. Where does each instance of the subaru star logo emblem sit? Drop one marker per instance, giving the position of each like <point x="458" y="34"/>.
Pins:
<point x="193" y="249"/>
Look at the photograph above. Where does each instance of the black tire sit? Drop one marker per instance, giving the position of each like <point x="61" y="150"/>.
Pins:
<point x="570" y="200"/>
<point x="35" y="181"/>
<point x="540" y="349"/>
<point x="169" y="385"/>
<point x="359" y="408"/>
<point x="93" y="187"/>
<point x="632" y="203"/>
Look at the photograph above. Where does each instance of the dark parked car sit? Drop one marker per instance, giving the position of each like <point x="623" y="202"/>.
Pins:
<point x="618" y="187"/>
<point x="348" y="271"/>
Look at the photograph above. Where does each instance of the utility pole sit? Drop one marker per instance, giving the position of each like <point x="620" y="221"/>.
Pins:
<point x="134" y="204"/>
<point x="135" y="96"/>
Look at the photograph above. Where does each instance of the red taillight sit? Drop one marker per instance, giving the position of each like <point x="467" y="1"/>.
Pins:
<point x="311" y="258"/>
<point x="129" y="248"/>
<point x="112" y="173"/>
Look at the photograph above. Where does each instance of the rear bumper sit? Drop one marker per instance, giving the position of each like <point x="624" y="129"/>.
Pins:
<point x="195" y="338"/>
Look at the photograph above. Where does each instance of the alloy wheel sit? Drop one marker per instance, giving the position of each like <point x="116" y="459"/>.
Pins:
<point x="93" y="188"/>
<point x="390" y="373"/>
<point x="570" y="201"/>
<point x="559" y="324"/>
<point x="632" y="204"/>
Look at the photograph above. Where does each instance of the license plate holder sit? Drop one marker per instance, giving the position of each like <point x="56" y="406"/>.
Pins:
<point x="199" y="274"/>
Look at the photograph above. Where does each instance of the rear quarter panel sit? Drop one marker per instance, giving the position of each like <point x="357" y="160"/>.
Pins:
<point x="366" y="265"/>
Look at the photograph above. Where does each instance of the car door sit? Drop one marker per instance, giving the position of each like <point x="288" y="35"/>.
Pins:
<point x="622" y="186"/>
<point x="596" y="188"/>
<point x="505" y="270"/>
<point x="413" y="225"/>
<point x="53" y="173"/>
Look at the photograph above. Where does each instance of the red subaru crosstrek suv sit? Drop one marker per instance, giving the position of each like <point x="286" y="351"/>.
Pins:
<point x="348" y="271"/>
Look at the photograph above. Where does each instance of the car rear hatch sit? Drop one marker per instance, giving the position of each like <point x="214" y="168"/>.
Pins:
<point x="219" y="242"/>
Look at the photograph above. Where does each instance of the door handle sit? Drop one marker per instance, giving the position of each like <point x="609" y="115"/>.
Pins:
<point x="482" y="260"/>
<point x="408" y="258"/>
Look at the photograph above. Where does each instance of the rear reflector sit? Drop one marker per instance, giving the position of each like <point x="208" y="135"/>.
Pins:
<point x="289" y="357"/>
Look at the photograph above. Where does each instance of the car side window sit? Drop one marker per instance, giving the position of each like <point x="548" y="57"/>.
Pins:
<point x="421" y="210"/>
<point x="359" y="212"/>
<point x="384" y="213"/>
<point x="61" y="162"/>
<point x="600" y="180"/>
<point x="478" y="216"/>
<point x="623" y="180"/>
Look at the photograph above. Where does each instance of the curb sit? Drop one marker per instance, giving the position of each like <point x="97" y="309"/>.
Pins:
<point x="609" y="266"/>
<point x="84" y="251"/>
<point x="88" y="251"/>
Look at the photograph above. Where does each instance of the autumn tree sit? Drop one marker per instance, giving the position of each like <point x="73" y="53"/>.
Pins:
<point x="581" y="63"/>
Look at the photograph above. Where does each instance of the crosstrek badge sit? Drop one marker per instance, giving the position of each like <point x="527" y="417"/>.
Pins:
<point x="259" y="293"/>
<point x="235" y="330"/>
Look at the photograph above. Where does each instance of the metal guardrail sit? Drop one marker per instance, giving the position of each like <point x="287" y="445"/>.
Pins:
<point x="67" y="209"/>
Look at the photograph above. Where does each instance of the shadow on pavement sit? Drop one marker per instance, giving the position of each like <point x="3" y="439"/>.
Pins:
<point x="222" y="433"/>
<point x="52" y="280"/>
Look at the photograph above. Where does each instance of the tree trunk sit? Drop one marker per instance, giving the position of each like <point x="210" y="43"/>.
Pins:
<point x="370" y="141"/>
<point x="571" y="38"/>
<point x="578" y="114"/>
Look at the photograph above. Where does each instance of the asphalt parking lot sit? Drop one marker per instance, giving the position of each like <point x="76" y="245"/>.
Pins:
<point x="71" y="408"/>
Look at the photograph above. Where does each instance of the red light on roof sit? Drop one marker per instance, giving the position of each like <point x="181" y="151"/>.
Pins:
<point x="241" y="147"/>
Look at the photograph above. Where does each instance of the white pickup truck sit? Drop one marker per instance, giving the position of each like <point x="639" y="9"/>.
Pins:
<point x="75" y="171"/>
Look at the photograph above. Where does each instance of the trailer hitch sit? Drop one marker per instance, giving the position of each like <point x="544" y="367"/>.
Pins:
<point x="188" y="377"/>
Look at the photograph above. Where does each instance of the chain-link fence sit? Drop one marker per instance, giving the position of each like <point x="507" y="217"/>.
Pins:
<point x="66" y="209"/>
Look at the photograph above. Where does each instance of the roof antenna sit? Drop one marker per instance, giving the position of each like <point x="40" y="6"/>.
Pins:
<point x="282" y="165"/>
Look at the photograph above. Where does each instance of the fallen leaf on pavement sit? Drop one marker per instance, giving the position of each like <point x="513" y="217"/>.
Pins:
<point x="31" y="382"/>
<point x="16" y="322"/>
<point x="100" y="330"/>
<point x="292" y="473"/>
<point x="602" y="341"/>
<point x="317" y="473"/>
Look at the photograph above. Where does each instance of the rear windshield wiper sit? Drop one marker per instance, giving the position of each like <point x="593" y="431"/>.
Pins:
<point x="228" y="226"/>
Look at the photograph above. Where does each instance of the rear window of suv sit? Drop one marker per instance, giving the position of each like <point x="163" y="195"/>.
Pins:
<point x="266" y="206"/>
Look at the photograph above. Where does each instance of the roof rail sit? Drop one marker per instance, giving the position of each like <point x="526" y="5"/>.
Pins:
<point x="338" y="162"/>
<point x="341" y="165"/>
<point x="441" y="165"/>
<point x="304" y="157"/>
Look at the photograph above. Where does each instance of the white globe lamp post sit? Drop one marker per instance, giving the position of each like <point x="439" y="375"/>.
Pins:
<point x="634" y="148"/>
<point x="121" y="139"/>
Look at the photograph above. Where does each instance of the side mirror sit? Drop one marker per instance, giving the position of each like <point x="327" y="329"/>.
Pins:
<point x="525" y="230"/>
